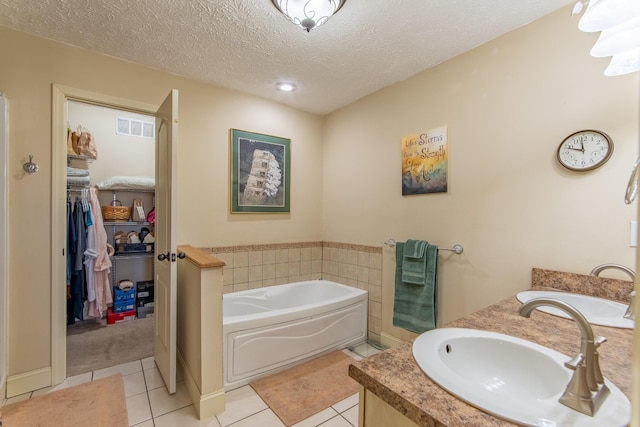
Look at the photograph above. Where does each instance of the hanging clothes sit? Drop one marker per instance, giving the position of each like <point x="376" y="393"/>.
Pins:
<point x="102" y="264"/>
<point x="77" y="284"/>
<point x="71" y="240"/>
<point x="90" y="255"/>
<point x="71" y="248"/>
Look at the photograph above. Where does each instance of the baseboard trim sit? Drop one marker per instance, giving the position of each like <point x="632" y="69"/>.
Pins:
<point x="211" y="404"/>
<point x="206" y="405"/>
<point x="28" y="381"/>
<point x="389" y="340"/>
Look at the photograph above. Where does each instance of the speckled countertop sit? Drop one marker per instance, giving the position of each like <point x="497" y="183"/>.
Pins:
<point x="394" y="376"/>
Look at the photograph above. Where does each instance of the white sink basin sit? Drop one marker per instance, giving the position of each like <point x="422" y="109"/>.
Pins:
<point x="510" y="378"/>
<point x="597" y="311"/>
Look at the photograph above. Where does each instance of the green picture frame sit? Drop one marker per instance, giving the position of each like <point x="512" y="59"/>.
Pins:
<point x="260" y="173"/>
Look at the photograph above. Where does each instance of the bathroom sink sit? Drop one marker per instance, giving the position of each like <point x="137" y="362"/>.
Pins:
<point x="597" y="311"/>
<point x="510" y="378"/>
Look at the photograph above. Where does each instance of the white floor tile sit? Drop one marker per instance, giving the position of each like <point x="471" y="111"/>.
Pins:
<point x="365" y="350"/>
<point x="134" y="384"/>
<point x="153" y="378"/>
<point x="240" y="403"/>
<point x="148" y="423"/>
<point x="68" y="382"/>
<point x="138" y="408"/>
<point x="317" y="419"/>
<point x="162" y="402"/>
<point x="265" y="418"/>
<point x="41" y="391"/>
<point x="185" y="417"/>
<point x="148" y="363"/>
<point x="149" y="404"/>
<point x="124" y="369"/>
<point x="337" y="421"/>
<point x="347" y="403"/>
<point x="351" y="415"/>
<point x="75" y="380"/>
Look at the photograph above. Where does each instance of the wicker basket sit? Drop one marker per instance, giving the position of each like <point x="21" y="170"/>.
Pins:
<point x="116" y="213"/>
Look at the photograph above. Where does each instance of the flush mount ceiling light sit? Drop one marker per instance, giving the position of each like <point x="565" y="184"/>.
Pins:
<point x="619" y="24"/>
<point x="308" y="14"/>
<point x="286" y="87"/>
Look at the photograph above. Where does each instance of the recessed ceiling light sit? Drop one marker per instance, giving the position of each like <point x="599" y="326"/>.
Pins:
<point x="286" y="87"/>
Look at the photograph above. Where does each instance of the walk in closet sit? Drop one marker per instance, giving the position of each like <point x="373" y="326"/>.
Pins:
<point x="111" y="169"/>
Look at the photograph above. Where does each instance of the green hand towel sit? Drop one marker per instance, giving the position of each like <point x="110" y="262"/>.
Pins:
<point x="415" y="307"/>
<point x="414" y="248"/>
<point x="413" y="261"/>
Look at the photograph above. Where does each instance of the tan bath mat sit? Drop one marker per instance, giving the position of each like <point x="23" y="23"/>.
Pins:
<point x="99" y="403"/>
<point x="299" y="392"/>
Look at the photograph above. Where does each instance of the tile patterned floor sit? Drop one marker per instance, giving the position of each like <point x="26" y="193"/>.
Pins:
<point x="149" y="404"/>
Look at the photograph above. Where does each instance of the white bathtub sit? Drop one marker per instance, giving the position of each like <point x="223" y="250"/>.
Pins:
<point x="266" y="329"/>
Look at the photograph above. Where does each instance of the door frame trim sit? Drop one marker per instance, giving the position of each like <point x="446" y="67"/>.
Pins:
<point x="4" y="241"/>
<point x="60" y="95"/>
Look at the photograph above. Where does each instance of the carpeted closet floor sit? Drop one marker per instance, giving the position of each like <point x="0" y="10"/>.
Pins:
<point x="95" y="345"/>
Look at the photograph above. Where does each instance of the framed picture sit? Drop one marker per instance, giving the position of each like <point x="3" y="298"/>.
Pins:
<point x="260" y="173"/>
<point x="425" y="162"/>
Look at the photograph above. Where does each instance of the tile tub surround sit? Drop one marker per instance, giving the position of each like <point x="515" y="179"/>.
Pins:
<point x="395" y="377"/>
<point x="257" y="266"/>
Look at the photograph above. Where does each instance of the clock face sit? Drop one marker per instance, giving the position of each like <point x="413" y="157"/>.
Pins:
<point x="585" y="150"/>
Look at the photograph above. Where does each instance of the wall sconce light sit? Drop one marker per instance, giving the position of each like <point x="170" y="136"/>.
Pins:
<point x="308" y="14"/>
<point x="619" y="23"/>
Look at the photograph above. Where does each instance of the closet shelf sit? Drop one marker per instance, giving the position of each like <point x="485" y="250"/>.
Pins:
<point x="127" y="223"/>
<point x="128" y="190"/>
<point x="133" y="256"/>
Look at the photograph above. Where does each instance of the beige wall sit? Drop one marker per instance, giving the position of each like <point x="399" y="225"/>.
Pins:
<point x="507" y="105"/>
<point x="31" y="65"/>
<point x="118" y="154"/>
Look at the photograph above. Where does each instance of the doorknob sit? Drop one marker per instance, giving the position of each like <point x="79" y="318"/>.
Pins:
<point x="181" y="255"/>
<point x="163" y="257"/>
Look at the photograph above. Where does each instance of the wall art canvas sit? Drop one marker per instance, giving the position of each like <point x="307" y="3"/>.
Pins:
<point x="425" y="158"/>
<point x="260" y="172"/>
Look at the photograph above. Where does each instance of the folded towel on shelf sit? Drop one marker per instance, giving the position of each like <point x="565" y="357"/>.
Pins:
<point x="78" y="181"/>
<point x="77" y="171"/>
<point x="415" y="306"/>
<point x="121" y="182"/>
<point x="413" y="261"/>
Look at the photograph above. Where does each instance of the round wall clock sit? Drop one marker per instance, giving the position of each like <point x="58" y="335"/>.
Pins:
<point x="585" y="150"/>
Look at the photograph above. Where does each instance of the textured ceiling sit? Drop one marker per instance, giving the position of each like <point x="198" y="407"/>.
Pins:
<point x="247" y="45"/>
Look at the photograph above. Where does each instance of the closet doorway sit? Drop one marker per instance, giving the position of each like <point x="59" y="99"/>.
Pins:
<point x="125" y="145"/>
<point x="164" y="273"/>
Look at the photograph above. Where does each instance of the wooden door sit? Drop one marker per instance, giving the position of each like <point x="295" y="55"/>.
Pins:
<point x="165" y="266"/>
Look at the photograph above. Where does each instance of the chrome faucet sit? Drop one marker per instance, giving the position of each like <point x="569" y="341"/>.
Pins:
<point x="630" y="313"/>
<point x="586" y="390"/>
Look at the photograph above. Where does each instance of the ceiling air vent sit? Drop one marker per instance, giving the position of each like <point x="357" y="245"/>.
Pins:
<point x="125" y="126"/>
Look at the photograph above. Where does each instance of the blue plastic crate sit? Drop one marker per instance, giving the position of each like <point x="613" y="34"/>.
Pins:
<point x="128" y="295"/>
<point x="121" y="306"/>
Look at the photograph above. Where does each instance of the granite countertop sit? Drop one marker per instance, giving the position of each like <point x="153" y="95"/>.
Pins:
<point x="394" y="376"/>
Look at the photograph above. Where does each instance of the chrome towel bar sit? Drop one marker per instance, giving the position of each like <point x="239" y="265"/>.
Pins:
<point x="457" y="248"/>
